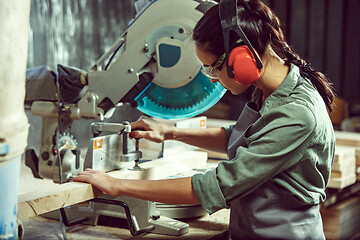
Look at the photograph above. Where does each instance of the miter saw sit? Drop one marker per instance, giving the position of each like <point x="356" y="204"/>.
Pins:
<point x="152" y="66"/>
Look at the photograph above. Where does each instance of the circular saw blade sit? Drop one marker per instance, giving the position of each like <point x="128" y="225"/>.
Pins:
<point x="177" y="103"/>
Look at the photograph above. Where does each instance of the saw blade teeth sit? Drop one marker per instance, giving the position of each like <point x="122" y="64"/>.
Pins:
<point x="187" y="101"/>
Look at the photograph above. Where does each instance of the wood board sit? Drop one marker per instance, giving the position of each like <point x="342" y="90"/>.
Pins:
<point x="341" y="220"/>
<point x="343" y="182"/>
<point x="343" y="153"/>
<point x="343" y="169"/>
<point x="347" y="138"/>
<point x="38" y="202"/>
<point x="350" y="139"/>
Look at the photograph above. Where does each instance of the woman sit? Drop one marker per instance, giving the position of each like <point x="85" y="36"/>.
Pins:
<point x="280" y="149"/>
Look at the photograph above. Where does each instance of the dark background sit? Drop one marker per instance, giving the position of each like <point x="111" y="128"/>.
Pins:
<point x="326" y="33"/>
<point x="77" y="32"/>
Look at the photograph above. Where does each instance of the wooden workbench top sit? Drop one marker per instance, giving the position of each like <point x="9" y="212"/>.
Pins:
<point x="40" y="196"/>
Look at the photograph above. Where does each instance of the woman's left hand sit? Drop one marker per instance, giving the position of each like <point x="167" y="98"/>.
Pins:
<point x="99" y="179"/>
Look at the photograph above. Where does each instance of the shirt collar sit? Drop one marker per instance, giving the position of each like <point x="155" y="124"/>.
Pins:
<point x="284" y="90"/>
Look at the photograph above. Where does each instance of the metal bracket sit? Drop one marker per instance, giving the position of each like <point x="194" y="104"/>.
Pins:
<point x="130" y="223"/>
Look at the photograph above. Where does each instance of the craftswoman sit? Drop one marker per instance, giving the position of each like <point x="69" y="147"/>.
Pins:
<point x="280" y="149"/>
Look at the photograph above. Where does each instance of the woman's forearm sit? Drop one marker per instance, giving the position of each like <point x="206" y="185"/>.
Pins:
<point x="209" y="138"/>
<point x="171" y="191"/>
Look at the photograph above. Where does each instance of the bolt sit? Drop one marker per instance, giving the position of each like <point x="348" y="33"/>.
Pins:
<point x="45" y="155"/>
<point x="155" y="217"/>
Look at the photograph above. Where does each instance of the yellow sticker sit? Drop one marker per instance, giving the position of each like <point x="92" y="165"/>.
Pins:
<point x="202" y="123"/>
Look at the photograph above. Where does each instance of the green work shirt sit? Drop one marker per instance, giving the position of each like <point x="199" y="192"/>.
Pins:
<point x="292" y="145"/>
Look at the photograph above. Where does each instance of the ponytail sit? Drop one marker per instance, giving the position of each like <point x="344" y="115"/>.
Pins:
<point x="318" y="79"/>
<point x="279" y="45"/>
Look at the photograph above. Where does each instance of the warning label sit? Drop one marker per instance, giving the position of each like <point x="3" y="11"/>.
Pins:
<point x="98" y="144"/>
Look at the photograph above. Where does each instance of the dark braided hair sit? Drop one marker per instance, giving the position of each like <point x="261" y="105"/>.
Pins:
<point x="262" y="27"/>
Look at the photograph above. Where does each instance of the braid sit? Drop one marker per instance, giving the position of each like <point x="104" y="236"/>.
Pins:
<point x="280" y="46"/>
<point x="263" y="29"/>
<point x="318" y="79"/>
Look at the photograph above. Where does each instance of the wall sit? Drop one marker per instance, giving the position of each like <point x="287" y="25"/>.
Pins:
<point x="75" y="33"/>
<point x="326" y="33"/>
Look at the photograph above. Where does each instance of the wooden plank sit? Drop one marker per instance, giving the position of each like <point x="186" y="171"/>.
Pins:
<point x="345" y="166"/>
<point x="39" y="202"/>
<point x="357" y="156"/>
<point x="338" y="174"/>
<point x="341" y="221"/>
<point x="344" y="153"/>
<point x="340" y="183"/>
<point x="347" y="138"/>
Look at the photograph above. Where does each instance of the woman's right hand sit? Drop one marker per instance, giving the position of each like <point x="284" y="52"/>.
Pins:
<point x="151" y="130"/>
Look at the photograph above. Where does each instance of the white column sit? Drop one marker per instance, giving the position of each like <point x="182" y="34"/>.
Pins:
<point x="14" y="27"/>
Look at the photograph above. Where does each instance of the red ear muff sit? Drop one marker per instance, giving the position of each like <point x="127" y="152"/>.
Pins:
<point x="242" y="60"/>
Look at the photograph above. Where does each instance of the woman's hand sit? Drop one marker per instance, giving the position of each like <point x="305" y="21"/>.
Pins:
<point x="100" y="180"/>
<point x="151" y="130"/>
<point x="213" y="139"/>
<point x="172" y="191"/>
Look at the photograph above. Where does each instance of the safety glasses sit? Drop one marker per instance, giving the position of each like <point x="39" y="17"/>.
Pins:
<point x="210" y="70"/>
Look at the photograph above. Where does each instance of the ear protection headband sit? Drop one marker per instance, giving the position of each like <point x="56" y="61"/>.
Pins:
<point x="242" y="63"/>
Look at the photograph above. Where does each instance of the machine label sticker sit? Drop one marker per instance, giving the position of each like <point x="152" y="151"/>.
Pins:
<point x="98" y="144"/>
<point x="203" y="123"/>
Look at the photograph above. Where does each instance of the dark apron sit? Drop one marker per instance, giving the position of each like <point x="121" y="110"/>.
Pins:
<point x="268" y="213"/>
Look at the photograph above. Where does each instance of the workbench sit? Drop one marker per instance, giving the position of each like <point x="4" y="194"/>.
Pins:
<point x="38" y="196"/>
<point x="213" y="226"/>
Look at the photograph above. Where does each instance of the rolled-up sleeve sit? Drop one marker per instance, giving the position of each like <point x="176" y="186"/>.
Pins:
<point x="274" y="143"/>
<point x="208" y="191"/>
